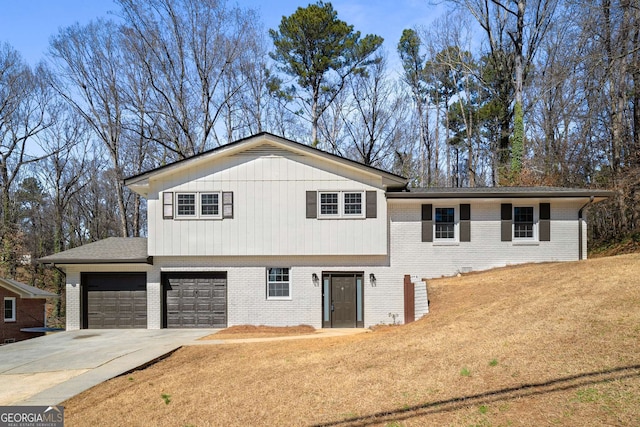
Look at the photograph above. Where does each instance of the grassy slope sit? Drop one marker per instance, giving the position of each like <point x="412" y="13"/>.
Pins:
<point x="550" y="344"/>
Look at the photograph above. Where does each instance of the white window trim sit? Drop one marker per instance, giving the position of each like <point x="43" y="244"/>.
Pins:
<point x="178" y="215"/>
<point x="213" y="216"/>
<point x="13" y="309"/>
<point x="270" y="298"/>
<point x="439" y="241"/>
<point x="525" y="240"/>
<point x="363" y="204"/>
<point x="320" y="214"/>
<point x="198" y="205"/>
<point x="341" y="205"/>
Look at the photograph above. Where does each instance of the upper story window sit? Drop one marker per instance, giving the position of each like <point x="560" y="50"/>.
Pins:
<point x="523" y="222"/>
<point x="278" y="283"/>
<point x="186" y="205"/>
<point x="341" y="204"/>
<point x="9" y="309"/>
<point x="353" y="203"/>
<point x="329" y="204"/>
<point x="198" y="205"/>
<point x="210" y="205"/>
<point x="445" y="223"/>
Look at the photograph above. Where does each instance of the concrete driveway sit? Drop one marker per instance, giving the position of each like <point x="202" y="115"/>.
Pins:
<point x="50" y="369"/>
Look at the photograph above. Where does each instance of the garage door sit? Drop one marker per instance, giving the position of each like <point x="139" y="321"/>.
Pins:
<point x="115" y="300"/>
<point x="195" y="300"/>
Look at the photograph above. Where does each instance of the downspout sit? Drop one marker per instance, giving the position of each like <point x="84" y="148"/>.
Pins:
<point x="580" y="221"/>
<point x="55" y="267"/>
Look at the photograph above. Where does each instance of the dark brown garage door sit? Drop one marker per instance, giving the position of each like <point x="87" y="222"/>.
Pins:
<point x="114" y="300"/>
<point x="195" y="300"/>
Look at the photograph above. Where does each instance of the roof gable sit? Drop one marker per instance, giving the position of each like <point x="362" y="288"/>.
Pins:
<point x="264" y="144"/>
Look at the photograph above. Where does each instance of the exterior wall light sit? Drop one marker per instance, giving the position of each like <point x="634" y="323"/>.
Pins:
<point x="315" y="279"/>
<point x="372" y="279"/>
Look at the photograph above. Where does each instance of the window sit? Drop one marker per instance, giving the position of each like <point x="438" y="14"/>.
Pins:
<point x="186" y="205"/>
<point x="329" y="204"/>
<point x="445" y="223"/>
<point x="278" y="285"/>
<point x="353" y="203"/>
<point x="201" y="205"/>
<point x="9" y="309"/>
<point x="341" y="204"/>
<point x="210" y="204"/>
<point x="523" y="222"/>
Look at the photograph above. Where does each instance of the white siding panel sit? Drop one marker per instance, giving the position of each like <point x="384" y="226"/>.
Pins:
<point x="269" y="211"/>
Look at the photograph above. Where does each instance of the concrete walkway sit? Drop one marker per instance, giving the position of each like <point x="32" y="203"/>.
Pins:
<point x="51" y="369"/>
<point x="320" y="333"/>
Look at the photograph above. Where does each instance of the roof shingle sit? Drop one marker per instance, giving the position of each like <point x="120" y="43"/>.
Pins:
<point x="112" y="250"/>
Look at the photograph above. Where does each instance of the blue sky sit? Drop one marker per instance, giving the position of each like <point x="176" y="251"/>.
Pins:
<point x="27" y="25"/>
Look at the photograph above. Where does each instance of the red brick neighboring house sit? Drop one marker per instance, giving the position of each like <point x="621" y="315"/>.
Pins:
<point x="23" y="306"/>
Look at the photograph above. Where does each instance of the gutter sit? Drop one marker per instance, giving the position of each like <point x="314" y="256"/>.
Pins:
<point x="78" y="261"/>
<point x="513" y="193"/>
<point x="580" y="222"/>
<point x="55" y="267"/>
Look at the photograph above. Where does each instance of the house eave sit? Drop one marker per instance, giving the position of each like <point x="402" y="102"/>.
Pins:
<point x="512" y="193"/>
<point x="25" y="294"/>
<point x="62" y="262"/>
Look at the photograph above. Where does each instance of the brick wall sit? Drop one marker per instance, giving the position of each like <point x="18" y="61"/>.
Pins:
<point x="29" y="314"/>
<point x="246" y="287"/>
<point x="409" y="255"/>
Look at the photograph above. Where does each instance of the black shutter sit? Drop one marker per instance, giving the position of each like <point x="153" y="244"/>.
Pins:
<point x="227" y="204"/>
<point x="312" y="204"/>
<point x="427" y="223"/>
<point x="545" y="222"/>
<point x="506" y="212"/>
<point x="372" y="204"/>
<point x="167" y="205"/>
<point x="465" y="222"/>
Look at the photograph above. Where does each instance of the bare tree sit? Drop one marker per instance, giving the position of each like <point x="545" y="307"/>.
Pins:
<point x="24" y="98"/>
<point x="188" y="50"/>
<point x="514" y="27"/>
<point x="89" y="64"/>
<point x="376" y="124"/>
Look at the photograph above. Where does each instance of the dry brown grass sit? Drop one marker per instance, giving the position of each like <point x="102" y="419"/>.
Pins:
<point x="251" y="331"/>
<point x="551" y="344"/>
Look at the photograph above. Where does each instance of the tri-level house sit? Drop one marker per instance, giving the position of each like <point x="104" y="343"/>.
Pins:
<point x="270" y="231"/>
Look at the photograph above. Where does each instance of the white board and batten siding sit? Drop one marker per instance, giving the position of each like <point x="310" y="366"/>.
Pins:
<point x="269" y="210"/>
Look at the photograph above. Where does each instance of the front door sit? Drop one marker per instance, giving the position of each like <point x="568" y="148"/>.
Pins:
<point x="343" y="300"/>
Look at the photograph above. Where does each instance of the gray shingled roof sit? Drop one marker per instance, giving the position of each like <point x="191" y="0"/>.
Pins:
<point x="113" y="250"/>
<point x="497" y="192"/>
<point x="25" y="291"/>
